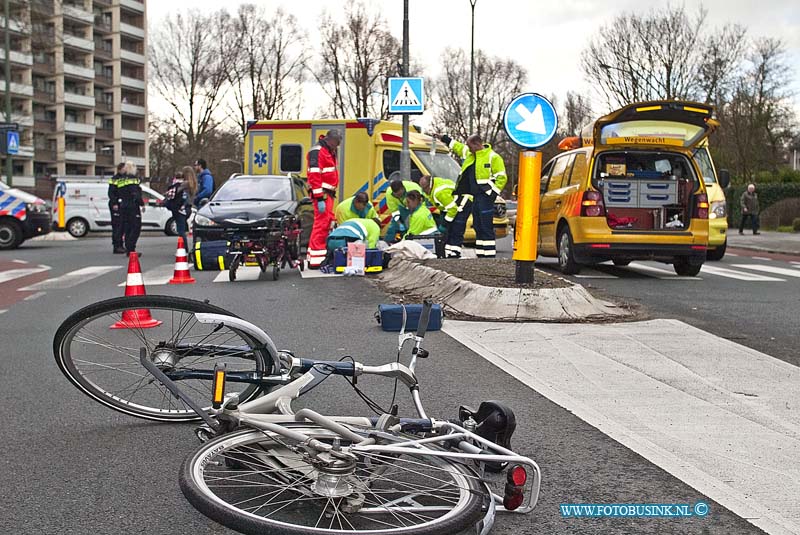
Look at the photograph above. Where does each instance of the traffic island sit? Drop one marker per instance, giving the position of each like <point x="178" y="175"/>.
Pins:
<point x="485" y="289"/>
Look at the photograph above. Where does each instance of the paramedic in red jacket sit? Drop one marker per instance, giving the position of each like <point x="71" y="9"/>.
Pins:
<point x="323" y="179"/>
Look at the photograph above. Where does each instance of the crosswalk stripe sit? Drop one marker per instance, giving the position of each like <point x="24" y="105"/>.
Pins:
<point x="770" y="269"/>
<point x="68" y="280"/>
<point x="592" y="274"/>
<point x="12" y="274"/>
<point x="244" y="273"/>
<point x="659" y="273"/>
<point x="157" y="276"/>
<point x="740" y="275"/>
<point x="761" y="258"/>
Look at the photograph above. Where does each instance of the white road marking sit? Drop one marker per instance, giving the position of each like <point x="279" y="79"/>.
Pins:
<point x="68" y="280"/>
<point x="317" y="274"/>
<point x="659" y="273"/>
<point x="761" y="258"/>
<point x="592" y="274"/>
<point x="37" y="295"/>
<point x="20" y="261"/>
<point x="244" y="273"/>
<point x="158" y="276"/>
<point x="770" y="269"/>
<point x="3" y="311"/>
<point x="721" y="417"/>
<point x="12" y="274"/>
<point x="731" y="254"/>
<point x="740" y="275"/>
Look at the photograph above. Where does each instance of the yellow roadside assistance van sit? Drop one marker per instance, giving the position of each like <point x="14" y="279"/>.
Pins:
<point x="368" y="157"/>
<point x="630" y="189"/>
<point x="716" y="182"/>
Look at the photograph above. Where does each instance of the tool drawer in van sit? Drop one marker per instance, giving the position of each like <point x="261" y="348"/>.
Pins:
<point x="657" y="193"/>
<point x="621" y="193"/>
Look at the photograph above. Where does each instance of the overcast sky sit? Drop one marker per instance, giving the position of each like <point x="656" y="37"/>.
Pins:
<point x="546" y="37"/>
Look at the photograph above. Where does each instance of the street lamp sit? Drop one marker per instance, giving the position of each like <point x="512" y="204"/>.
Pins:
<point x="472" y="66"/>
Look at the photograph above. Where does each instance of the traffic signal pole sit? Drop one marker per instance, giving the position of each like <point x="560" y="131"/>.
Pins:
<point x="405" y="155"/>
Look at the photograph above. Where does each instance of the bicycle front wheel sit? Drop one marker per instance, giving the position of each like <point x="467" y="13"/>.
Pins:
<point x="261" y="482"/>
<point x="98" y="349"/>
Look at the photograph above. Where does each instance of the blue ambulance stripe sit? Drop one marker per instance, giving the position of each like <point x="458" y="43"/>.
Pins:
<point x="364" y="187"/>
<point x="377" y="178"/>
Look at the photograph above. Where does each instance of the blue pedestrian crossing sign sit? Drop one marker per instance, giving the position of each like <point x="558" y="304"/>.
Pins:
<point x="12" y="142"/>
<point x="406" y="95"/>
<point x="530" y="120"/>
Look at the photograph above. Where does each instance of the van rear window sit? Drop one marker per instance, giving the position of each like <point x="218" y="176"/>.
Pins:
<point x="651" y="133"/>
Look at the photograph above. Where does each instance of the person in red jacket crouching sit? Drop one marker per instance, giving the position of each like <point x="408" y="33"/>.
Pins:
<point x="323" y="179"/>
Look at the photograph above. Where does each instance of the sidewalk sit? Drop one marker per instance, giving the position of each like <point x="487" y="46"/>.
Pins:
<point x="768" y="242"/>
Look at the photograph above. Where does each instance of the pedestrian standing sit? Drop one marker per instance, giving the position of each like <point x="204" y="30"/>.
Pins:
<point x="180" y="197"/>
<point x="205" y="182"/>
<point x="131" y="203"/>
<point x="483" y="176"/>
<point x="113" y="206"/>
<point x="323" y="179"/>
<point x="749" y="204"/>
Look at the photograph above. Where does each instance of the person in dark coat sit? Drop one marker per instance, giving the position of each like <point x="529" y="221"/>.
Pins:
<point x="130" y="194"/>
<point x="113" y="207"/>
<point x="749" y="205"/>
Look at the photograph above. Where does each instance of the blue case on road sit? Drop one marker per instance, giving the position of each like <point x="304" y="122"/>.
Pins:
<point x="390" y="317"/>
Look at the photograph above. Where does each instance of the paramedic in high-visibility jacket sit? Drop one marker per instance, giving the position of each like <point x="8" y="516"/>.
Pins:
<point x="483" y="176"/>
<point x="323" y="179"/>
<point x="439" y="192"/>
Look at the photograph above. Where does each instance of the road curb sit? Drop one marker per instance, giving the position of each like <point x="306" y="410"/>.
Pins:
<point x="771" y="250"/>
<point x="468" y="300"/>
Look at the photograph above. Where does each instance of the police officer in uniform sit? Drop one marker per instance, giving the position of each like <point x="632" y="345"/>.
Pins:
<point x="130" y="195"/>
<point x="114" y="207"/>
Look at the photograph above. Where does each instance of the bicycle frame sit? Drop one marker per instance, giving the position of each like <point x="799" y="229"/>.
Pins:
<point x="273" y="411"/>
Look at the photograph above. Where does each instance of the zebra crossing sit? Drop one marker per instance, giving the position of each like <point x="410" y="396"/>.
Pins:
<point x="20" y="280"/>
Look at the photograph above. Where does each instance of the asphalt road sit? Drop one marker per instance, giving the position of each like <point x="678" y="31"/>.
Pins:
<point x="72" y="466"/>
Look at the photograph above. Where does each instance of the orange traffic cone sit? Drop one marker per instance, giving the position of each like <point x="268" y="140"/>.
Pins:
<point x="181" y="274"/>
<point x="134" y="285"/>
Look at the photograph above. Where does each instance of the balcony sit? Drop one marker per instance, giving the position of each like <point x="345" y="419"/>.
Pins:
<point x="139" y="161"/>
<point x="133" y="57"/>
<point x="133" y="5"/>
<point x="104" y="133"/>
<point x="44" y="96"/>
<point x="13" y="25"/>
<point x="18" y="89"/>
<point x="44" y="67"/>
<point x="133" y="135"/>
<point x="44" y="125"/>
<point x="86" y="45"/>
<point x="84" y="101"/>
<point x="102" y="105"/>
<point x="45" y="155"/>
<point x="102" y="3"/>
<point x="79" y="128"/>
<point x="133" y="109"/>
<point x="133" y="83"/>
<point x="102" y="79"/>
<point x="25" y="151"/>
<point x="81" y="156"/>
<point x="76" y="13"/>
<point x="22" y="119"/>
<point x="105" y="159"/>
<point x="101" y="50"/>
<point x="130" y="29"/>
<point x="78" y="71"/>
<point x="102" y="25"/>
<point x="20" y="58"/>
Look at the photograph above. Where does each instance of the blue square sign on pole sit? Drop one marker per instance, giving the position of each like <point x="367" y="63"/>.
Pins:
<point x="406" y="96"/>
<point x="12" y="142"/>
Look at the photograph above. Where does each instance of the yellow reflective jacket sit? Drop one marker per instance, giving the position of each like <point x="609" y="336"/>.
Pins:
<point x="490" y="171"/>
<point x="441" y="196"/>
<point x="421" y="222"/>
<point x="394" y="204"/>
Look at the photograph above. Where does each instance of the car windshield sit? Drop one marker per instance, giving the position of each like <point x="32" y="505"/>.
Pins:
<point x="440" y="164"/>
<point x="704" y="163"/>
<point x="255" y="189"/>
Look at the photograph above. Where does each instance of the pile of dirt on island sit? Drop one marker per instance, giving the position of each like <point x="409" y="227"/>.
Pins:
<point x="493" y="272"/>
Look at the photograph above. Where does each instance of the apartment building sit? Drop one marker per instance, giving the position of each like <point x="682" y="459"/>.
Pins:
<point x="78" y="86"/>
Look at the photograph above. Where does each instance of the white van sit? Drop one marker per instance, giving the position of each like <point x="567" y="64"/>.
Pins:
<point x="86" y="207"/>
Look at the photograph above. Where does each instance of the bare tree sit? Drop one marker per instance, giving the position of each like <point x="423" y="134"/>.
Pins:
<point x="646" y="57"/>
<point x="189" y="62"/>
<point x="268" y="70"/>
<point x="720" y="65"/>
<point x="577" y="113"/>
<point x="356" y="59"/>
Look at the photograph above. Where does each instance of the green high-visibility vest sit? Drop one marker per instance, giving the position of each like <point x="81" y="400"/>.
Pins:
<point x="490" y="171"/>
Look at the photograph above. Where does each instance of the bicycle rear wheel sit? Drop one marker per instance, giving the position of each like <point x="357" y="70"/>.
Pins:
<point x="104" y="362"/>
<point x="260" y="482"/>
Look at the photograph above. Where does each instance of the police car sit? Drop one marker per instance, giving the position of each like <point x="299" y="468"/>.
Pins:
<point x="22" y="216"/>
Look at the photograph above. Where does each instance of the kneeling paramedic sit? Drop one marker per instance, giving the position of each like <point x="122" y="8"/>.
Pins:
<point x="439" y="192"/>
<point x="352" y="230"/>
<point x="356" y="207"/>
<point x="419" y="222"/>
<point x="395" y="203"/>
<point x="483" y="176"/>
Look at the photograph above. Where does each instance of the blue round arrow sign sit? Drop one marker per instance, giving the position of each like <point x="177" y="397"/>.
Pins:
<point x="530" y="120"/>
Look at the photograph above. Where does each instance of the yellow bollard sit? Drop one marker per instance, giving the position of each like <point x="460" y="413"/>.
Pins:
<point x="61" y="213"/>
<point x="526" y="232"/>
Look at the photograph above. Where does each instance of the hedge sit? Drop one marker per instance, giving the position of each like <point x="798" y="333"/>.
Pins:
<point x="768" y="194"/>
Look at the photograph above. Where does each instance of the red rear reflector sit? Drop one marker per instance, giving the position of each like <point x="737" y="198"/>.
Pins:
<point x="699" y="247"/>
<point x="517" y="476"/>
<point x="514" y="501"/>
<point x="593" y="211"/>
<point x="600" y="246"/>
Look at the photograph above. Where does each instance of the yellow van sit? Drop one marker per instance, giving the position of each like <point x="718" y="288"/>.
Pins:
<point x="630" y="189"/>
<point x="369" y="157"/>
<point x="715" y="182"/>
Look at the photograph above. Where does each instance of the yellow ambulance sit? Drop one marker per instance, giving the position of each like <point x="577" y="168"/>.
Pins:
<point x="369" y="157"/>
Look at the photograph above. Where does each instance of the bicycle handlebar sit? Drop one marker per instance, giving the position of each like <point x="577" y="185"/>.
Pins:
<point x="424" y="318"/>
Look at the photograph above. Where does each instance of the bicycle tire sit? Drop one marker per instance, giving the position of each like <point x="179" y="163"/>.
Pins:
<point x="86" y="335"/>
<point x="220" y="456"/>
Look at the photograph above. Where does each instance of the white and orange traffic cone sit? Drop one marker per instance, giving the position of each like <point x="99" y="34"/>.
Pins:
<point x="139" y="318"/>
<point x="181" y="274"/>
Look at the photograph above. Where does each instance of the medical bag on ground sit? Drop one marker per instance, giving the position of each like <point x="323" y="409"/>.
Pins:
<point x="432" y="242"/>
<point x="211" y="255"/>
<point x="390" y="317"/>
<point x="373" y="261"/>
